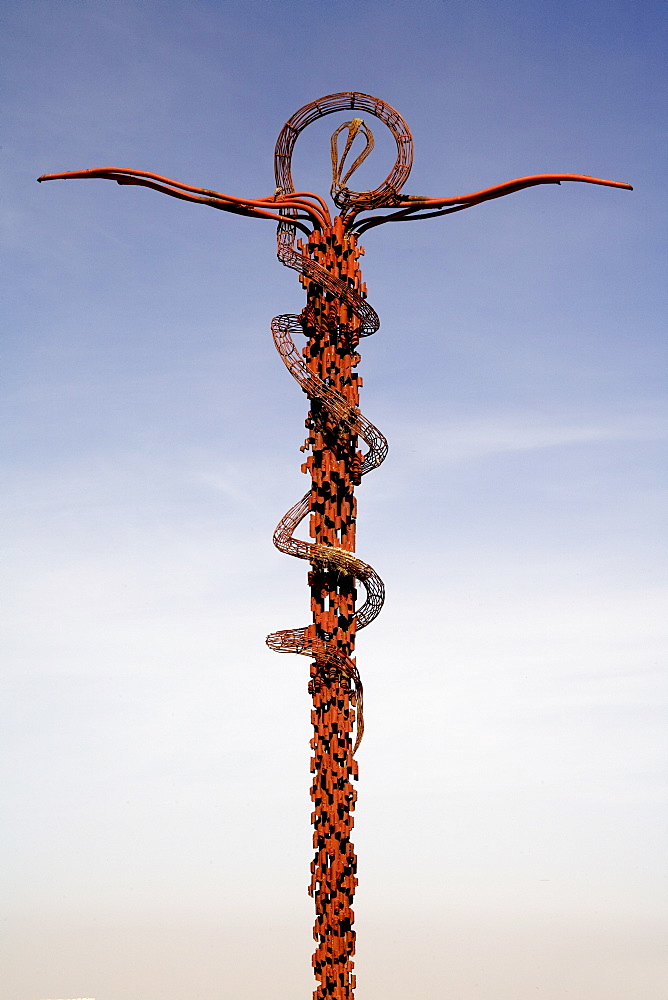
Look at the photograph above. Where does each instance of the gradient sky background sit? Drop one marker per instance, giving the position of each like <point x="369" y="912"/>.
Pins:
<point x="512" y="812"/>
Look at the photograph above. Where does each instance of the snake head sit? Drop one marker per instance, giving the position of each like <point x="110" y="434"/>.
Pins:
<point x="340" y="194"/>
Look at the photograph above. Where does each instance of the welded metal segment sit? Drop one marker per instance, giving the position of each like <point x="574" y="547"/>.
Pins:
<point x="335" y="317"/>
<point x="386" y="194"/>
<point x="332" y="322"/>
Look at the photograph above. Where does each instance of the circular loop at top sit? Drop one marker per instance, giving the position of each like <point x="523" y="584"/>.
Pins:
<point x="387" y="194"/>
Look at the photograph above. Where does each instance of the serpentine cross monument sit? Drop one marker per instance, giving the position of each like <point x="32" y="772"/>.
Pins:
<point x="336" y="316"/>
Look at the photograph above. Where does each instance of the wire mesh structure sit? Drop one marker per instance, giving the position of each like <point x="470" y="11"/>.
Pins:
<point x="336" y="316"/>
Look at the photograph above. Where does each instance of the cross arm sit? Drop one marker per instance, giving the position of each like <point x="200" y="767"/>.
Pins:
<point x="410" y="207"/>
<point x="300" y="205"/>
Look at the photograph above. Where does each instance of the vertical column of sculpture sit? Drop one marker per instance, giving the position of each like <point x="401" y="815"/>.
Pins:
<point x="334" y="465"/>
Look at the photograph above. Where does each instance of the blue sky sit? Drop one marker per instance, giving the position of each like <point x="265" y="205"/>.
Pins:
<point x="512" y="793"/>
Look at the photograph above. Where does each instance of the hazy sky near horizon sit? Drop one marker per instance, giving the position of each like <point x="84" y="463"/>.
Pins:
<point x="512" y="800"/>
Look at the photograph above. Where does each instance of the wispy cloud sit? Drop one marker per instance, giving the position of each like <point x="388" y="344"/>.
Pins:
<point x="457" y="440"/>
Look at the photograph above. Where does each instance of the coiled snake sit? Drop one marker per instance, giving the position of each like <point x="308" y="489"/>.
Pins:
<point x="284" y="328"/>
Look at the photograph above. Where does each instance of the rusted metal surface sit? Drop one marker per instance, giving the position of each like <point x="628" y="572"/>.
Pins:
<point x="335" y="317"/>
<point x="325" y="369"/>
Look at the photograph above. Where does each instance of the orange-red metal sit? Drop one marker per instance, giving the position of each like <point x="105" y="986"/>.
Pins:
<point x="332" y="323"/>
<point x="334" y="319"/>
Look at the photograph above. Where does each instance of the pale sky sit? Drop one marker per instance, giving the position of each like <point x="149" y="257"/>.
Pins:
<point x="512" y="798"/>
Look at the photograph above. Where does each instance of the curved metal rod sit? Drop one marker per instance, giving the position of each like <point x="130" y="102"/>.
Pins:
<point x="413" y="207"/>
<point x="509" y="186"/>
<point x="317" y="214"/>
<point x="385" y="195"/>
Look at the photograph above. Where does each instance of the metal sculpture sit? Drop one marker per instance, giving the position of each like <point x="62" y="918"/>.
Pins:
<point x="334" y="319"/>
